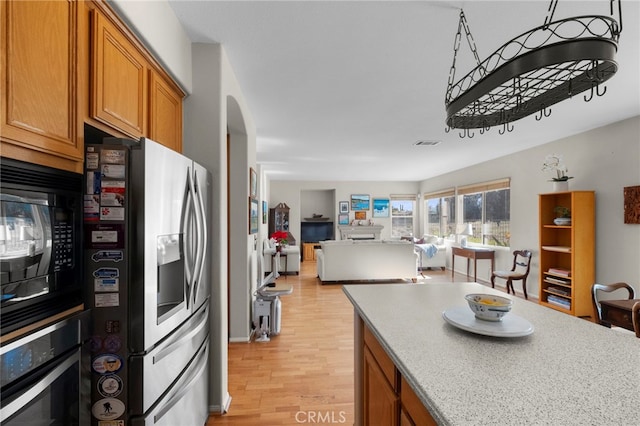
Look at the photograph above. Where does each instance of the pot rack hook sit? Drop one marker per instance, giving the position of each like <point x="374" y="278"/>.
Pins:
<point x="544" y="112"/>
<point x="597" y="92"/>
<point x="466" y="134"/>
<point x="506" y="127"/>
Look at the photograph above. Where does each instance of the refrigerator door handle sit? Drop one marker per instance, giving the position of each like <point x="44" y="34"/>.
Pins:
<point x="201" y="238"/>
<point x="179" y="342"/>
<point x="199" y="364"/>
<point x="190" y="262"/>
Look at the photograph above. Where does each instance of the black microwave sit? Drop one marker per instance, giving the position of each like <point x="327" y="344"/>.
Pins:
<point x="40" y="243"/>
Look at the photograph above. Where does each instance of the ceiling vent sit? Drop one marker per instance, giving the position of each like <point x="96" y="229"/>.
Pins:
<point x="427" y="143"/>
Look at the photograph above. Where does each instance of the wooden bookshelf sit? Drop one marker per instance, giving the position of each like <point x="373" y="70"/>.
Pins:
<point x="567" y="252"/>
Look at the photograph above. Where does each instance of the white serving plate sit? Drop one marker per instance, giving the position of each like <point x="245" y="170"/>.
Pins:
<point x="511" y="325"/>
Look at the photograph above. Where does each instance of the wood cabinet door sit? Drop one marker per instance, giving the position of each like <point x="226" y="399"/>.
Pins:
<point x="119" y="79"/>
<point x="39" y="81"/>
<point x="381" y="406"/>
<point x="165" y="112"/>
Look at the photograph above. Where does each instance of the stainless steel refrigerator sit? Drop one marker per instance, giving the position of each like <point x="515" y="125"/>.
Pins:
<point x="147" y="276"/>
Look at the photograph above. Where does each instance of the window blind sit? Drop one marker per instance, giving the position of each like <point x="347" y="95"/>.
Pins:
<point x="410" y="197"/>
<point x="484" y="186"/>
<point x="449" y="192"/>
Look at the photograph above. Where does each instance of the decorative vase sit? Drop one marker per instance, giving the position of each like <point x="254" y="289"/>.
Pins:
<point x="278" y="248"/>
<point x="560" y="185"/>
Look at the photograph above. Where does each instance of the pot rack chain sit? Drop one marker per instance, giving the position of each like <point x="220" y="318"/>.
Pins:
<point x="534" y="90"/>
<point x="462" y="24"/>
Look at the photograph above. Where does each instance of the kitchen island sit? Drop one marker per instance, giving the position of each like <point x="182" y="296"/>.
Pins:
<point x="569" y="371"/>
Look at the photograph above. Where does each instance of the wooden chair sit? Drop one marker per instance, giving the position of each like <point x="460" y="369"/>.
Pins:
<point x="635" y="318"/>
<point x="519" y="271"/>
<point x="608" y="288"/>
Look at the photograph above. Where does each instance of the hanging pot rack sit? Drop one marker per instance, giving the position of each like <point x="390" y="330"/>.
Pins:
<point x="533" y="71"/>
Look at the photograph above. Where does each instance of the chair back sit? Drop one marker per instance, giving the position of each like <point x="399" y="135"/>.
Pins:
<point x="522" y="262"/>
<point x="635" y="318"/>
<point x="608" y="288"/>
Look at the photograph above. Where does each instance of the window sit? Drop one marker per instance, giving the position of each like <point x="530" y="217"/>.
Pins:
<point x="402" y="208"/>
<point x="440" y="208"/>
<point x="487" y="208"/>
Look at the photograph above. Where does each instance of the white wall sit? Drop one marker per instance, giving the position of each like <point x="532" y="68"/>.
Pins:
<point x="217" y="105"/>
<point x="155" y="23"/>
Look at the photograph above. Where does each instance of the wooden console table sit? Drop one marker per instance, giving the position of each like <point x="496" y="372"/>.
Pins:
<point x="472" y="253"/>
<point x="618" y="312"/>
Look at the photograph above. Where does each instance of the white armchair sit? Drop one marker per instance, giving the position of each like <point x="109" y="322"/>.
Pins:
<point x="433" y="252"/>
<point x="289" y="258"/>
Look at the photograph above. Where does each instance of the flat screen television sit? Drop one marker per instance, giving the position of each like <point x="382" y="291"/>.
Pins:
<point x="312" y="232"/>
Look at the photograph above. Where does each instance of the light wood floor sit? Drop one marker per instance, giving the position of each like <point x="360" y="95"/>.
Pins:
<point x="305" y="374"/>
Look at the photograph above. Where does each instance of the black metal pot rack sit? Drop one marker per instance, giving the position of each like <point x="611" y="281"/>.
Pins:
<point x="533" y="71"/>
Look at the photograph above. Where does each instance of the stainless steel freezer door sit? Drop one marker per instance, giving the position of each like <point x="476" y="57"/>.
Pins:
<point x="186" y="402"/>
<point x="163" y="200"/>
<point x="152" y="374"/>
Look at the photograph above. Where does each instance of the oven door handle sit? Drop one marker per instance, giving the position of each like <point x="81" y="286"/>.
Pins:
<point x="31" y="393"/>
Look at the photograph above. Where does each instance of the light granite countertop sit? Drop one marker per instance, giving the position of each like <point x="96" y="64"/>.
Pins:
<point x="569" y="371"/>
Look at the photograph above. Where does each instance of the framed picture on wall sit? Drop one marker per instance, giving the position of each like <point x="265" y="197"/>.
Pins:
<point x="631" y="204"/>
<point x="360" y="202"/>
<point x="265" y="211"/>
<point x="253" y="216"/>
<point x="380" y="207"/>
<point x="253" y="183"/>
<point x="344" y="207"/>
<point x="361" y="215"/>
<point x="343" y="218"/>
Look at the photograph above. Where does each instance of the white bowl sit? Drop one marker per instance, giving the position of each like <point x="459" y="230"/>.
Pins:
<point x="488" y="307"/>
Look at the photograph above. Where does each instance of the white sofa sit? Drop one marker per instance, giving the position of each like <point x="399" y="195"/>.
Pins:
<point x="433" y="252"/>
<point x="292" y="262"/>
<point x="349" y="260"/>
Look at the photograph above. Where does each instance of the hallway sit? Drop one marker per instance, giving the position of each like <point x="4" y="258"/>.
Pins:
<point x="305" y="374"/>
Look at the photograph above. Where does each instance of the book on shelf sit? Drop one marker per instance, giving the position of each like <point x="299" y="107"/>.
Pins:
<point x="555" y="280"/>
<point x="560" y="290"/>
<point x="560" y="271"/>
<point x="559" y="301"/>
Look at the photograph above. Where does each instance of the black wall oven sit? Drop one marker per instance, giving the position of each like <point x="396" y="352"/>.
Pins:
<point x="40" y="243"/>
<point x="45" y="379"/>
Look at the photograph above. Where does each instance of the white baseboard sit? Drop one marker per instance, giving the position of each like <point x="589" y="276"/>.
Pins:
<point x="221" y="409"/>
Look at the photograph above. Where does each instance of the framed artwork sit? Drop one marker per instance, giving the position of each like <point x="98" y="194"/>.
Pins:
<point x="253" y="216"/>
<point x="360" y="202"/>
<point x="344" y="207"/>
<point x="632" y="204"/>
<point x="380" y="207"/>
<point x="361" y="215"/>
<point x="265" y="210"/>
<point x="253" y="183"/>
<point x="343" y="218"/>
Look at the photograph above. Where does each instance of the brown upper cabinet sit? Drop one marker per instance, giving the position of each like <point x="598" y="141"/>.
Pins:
<point x="38" y="73"/>
<point x="129" y="92"/>
<point x="165" y="112"/>
<point x="65" y="63"/>
<point x="118" y="79"/>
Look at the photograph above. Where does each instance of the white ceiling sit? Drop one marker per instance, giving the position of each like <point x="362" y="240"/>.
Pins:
<point x="341" y="90"/>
